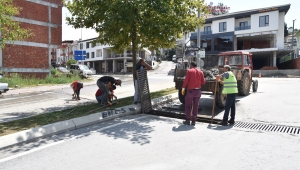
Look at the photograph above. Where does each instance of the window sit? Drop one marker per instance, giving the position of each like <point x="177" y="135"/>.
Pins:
<point x="264" y="21"/>
<point x="207" y="30"/>
<point x="243" y="24"/>
<point x="87" y="45"/>
<point x="224" y="43"/>
<point x="93" y="54"/>
<point x="235" y="60"/>
<point x="87" y="55"/>
<point x="206" y="43"/>
<point x="222" y="26"/>
<point x="81" y="46"/>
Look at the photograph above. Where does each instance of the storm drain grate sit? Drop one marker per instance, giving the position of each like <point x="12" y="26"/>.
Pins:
<point x="271" y="128"/>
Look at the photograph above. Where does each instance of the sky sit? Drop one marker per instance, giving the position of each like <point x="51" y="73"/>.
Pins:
<point x="69" y="33"/>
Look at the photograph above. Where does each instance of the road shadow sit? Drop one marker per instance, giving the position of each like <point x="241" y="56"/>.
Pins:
<point x="218" y="127"/>
<point x="181" y="128"/>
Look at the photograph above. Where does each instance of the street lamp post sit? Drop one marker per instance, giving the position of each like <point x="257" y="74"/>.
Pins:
<point x="82" y="46"/>
<point x="293" y="38"/>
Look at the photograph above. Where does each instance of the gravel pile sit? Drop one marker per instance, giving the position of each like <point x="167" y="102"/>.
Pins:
<point x="210" y="74"/>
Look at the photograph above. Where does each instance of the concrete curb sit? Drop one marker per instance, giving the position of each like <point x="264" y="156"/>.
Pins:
<point x="59" y="127"/>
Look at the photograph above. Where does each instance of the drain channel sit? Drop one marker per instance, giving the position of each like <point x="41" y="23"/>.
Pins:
<point x="270" y="128"/>
<point x="238" y="124"/>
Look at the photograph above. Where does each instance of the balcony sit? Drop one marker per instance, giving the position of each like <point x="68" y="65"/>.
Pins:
<point x="242" y="28"/>
<point x="206" y="32"/>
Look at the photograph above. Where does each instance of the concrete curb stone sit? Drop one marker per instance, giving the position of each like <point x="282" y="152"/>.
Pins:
<point x="75" y="123"/>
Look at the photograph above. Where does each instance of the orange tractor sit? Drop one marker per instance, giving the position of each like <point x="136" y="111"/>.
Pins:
<point x="241" y="66"/>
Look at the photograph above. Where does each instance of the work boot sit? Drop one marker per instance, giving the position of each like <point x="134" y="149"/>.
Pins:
<point x="231" y="122"/>
<point x="223" y="123"/>
<point x="193" y="123"/>
<point x="186" y="122"/>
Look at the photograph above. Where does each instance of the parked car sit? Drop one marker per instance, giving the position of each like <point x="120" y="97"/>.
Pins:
<point x="3" y="86"/>
<point x="63" y="70"/>
<point x="83" y="70"/>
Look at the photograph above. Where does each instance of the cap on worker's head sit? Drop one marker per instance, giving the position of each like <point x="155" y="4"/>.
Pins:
<point x="119" y="82"/>
<point x="227" y="66"/>
<point x="194" y="64"/>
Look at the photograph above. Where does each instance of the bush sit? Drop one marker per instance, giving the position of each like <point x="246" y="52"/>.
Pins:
<point x="71" y="61"/>
<point x="26" y="81"/>
<point x="53" y="71"/>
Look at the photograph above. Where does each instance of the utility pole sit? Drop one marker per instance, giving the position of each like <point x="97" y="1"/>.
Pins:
<point x="293" y="39"/>
<point x="82" y="46"/>
<point x="198" y="43"/>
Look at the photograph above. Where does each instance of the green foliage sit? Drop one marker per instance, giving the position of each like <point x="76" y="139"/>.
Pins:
<point x="71" y="61"/>
<point x="53" y="71"/>
<point x="286" y="32"/>
<point x="140" y="23"/>
<point x="15" y="79"/>
<point x="10" y="30"/>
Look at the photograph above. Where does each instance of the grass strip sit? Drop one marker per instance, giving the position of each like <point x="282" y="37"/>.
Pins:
<point x="73" y="112"/>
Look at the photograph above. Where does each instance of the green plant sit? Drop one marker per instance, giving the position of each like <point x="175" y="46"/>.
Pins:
<point x="71" y="61"/>
<point x="53" y="71"/>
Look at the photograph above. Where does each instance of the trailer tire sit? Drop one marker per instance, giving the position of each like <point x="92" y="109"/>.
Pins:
<point x="220" y="97"/>
<point x="181" y="97"/>
<point x="244" y="84"/>
<point x="254" y="85"/>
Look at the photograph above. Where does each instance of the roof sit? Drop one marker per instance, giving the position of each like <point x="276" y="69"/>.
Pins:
<point x="248" y="13"/>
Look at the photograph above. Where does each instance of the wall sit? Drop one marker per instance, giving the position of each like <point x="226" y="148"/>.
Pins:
<point x="280" y="32"/>
<point x="32" y="56"/>
<point x="268" y="73"/>
<point x="292" y="64"/>
<point x="254" y="23"/>
<point x="229" y="24"/>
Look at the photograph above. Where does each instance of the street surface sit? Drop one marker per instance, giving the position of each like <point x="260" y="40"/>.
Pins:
<point x="152" y="142"/>
<point x="50" y="99"/>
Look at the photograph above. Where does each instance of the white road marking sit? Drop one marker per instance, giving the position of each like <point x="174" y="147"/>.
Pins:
<point x="70" y="139"/>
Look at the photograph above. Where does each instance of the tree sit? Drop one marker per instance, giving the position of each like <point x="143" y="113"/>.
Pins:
<point x="286" y="31"/>
<point x="137" y="23"/>
<point x="10" y="30"/>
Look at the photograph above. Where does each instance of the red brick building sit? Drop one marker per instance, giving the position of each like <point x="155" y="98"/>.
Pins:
<point x="33" y="55"/>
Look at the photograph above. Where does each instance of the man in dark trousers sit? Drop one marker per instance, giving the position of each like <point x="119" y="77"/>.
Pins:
<point x="194" y="79"/>
<point x="104" y="83"/>
<point x="230" y="89"/>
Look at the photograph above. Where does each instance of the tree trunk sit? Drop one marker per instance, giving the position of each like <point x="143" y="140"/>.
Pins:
<point x="133" y="41"/>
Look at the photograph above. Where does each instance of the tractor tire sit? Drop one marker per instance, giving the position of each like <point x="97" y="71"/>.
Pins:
<point x="220" y="97"/>
<point x="254" y="85"/>
<point x="181" y="97"/>
<point x="244" y="84"/>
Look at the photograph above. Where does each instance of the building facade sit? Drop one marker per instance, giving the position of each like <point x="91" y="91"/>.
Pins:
<point x="33" y="55"/>
<point x="100" y="58"/>
<point x="259" y="31"/>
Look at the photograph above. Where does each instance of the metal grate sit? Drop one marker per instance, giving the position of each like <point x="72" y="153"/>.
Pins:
<point x="146" y="105"/>
<point x="271" y="128"/>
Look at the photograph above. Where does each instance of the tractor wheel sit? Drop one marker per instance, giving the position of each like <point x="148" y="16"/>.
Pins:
<point x="244" y="84"/>
<point x="254" y="85"/>
<point x="181" y="97"/>
<point x="220" y="97"/>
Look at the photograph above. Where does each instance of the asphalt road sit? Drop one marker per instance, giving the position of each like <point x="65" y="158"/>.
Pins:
<point x="35" y="102"/>
<point x="152" y="142"/>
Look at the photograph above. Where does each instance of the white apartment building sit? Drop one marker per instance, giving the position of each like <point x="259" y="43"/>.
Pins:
<point x="259" y="31"/>
<point x="102" y="59"/>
